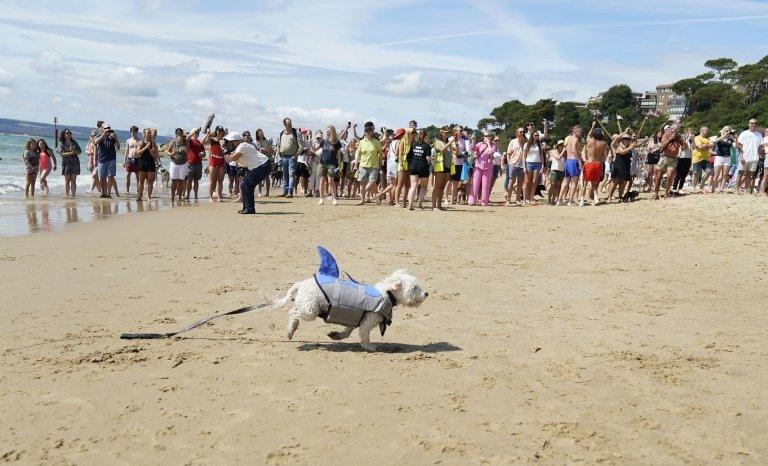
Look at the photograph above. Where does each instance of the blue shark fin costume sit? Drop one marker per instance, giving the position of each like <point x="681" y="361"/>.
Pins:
<point x="348" y="300"/>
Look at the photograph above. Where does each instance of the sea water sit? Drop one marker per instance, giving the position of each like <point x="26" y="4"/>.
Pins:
<point x="20" y="216"/>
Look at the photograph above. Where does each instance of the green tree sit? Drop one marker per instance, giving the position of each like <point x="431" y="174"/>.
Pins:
<point x="617" y="98"/>
<point x="721" y="66"/>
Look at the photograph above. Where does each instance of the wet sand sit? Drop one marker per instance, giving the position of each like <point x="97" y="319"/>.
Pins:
<point x="551" y="335"/>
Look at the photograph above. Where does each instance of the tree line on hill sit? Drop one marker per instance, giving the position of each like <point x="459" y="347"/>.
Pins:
<point x="728" y="94"/>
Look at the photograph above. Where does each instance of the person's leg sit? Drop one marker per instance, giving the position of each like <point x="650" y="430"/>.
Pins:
<point x="763" y="183"/>
<point x="400" y="185"/>
<point x="424" y="185"/>
<point x="412" y="190"/>
<point x="657" y="182"/>
<point x="286" y="174"/>
<point x="140" y="184"/>
<point x="670" y="179"/>
<point x="332" y="182"/>
<point x="150" y="183"/>
<point x="292" y="178"/>
<point x="474" y="190"/>
<point x="247" y="192"/>
<point x="486" y="181"/>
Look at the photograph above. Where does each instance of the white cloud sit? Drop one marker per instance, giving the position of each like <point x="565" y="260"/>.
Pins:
<point x="406" y="84"/>
<point x="199" y="83"/>
<point x="7" y="80"/>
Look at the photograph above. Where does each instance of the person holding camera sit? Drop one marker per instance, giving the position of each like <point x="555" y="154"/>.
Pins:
<point x="723" y="146"/>
<point x="671" y="145"/>
<point x="255" y="164"/>
<point x="107" y="146"/>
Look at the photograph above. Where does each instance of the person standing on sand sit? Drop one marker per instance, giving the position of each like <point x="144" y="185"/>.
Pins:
<point x="722" y="159"/>
<point x="367" y="159"/>
<point x="684" y="162"/>
<point x="573" y="160"/>
<point x="403" y="175"/>
<point x="216" y="163"/>
<point x="194" y="162"/>
<point x="44" y="165"/>
<point x="107" y="146"/>
<point x="256" y="164"/>
<point x="31" y="159"/>
<point x="147" y="165"/>
<point x="671" y="145"/>
<point x="516" y="167"/>
<point x="764" y="151"/>
<point x="481" y="182"/>
<point x="441" y="162"/>
<point x="264" y="146"/>
<point x="750" y="141"/>
<point x="178" y="169"/>
<point x="419" y="156"/>
<point x="131" y="159"/>
<point x="596" y="152"/>
<point x="70" y="151"/>
<point x="289" y="146"/>
<point x="700" y="160"/>
<point x="390" y="148"/>
<point x="556" y="173"/>
<point x="622" y="165"/>
<point x="533" y="154"/>
<point x="330" y="160"/>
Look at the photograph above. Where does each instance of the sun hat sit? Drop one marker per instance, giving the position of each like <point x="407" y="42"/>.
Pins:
<point x="233" y="136"/>
<point x="400" y="132"/>
<point x="625" y="136"/>
<point x="560" y="143"/>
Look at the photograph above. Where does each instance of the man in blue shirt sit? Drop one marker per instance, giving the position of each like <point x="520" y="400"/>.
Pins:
<point x="107" y="146"/>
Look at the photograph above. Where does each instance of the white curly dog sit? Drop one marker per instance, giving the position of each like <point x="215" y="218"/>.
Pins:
<point x="309" y="302"/>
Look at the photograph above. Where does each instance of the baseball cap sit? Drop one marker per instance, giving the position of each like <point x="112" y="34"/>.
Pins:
<point x="233" y="136"/>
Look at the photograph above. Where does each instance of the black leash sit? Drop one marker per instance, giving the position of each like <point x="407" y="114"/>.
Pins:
<point x="161" y="336"/>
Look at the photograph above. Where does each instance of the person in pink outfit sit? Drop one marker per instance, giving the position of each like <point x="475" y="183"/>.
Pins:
<point x="483" y="175"/>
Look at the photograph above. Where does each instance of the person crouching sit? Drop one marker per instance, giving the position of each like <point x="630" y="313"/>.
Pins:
<point x="258" y="166"/>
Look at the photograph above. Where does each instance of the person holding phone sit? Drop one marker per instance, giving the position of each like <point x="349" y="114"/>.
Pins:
<point x="107" y="146"/>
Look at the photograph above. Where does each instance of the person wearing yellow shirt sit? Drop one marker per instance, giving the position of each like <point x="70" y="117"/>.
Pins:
<point x="701" y="149"/>
<point x="367" y="160"/>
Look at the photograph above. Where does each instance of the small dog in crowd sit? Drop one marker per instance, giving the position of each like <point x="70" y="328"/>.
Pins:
<point x="462" y="193"/>
<point x="629" y="196"/>
<point x="311" y="299"/>
<point x="166" y="177"/>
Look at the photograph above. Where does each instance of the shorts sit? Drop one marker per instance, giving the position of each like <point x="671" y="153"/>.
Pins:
<point x="722" y="161"/>
<point x="748" y="166"/>
<point x="496" y="171"/>
<point x="132" y="165"/>
<point x="391" y="171"/>
<point x="179" y="172"/>
<point x="421" y="172"/>
<point x="216" y="161"/>
<point x="108" y="168"/>
<point x="194" y="171"/>
<point x="701" y="166"/>
<point x="327" y="169"/>
<point x="572" y="168"/>
<point x="666" y="163"/>
<point x="593" y="171"/>
<point x="621" y="170"/>
<point x="230" y="170"/>
<point x="533" y="166"/>
<point x="302" y="170"/>
<point x="556" y="175"/>
<point x="515" y="172"/>
<point x="457" y="175"/>
<point x="370" y="174"/>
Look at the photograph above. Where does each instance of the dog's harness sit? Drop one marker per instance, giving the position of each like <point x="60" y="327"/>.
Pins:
<point x="349" y="300"/>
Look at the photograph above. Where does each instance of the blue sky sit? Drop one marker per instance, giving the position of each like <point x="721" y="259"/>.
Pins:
<point x="167" y="63"/>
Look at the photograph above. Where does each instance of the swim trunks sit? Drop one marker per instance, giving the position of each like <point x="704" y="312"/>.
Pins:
<point x="593" y="171"/>
<point x="572" y="169"/>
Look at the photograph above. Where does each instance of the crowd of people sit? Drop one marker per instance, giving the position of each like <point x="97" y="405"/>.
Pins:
<point x="400" y="166"/>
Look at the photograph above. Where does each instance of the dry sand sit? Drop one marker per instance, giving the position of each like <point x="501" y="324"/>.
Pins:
<point x="551" y="335"/>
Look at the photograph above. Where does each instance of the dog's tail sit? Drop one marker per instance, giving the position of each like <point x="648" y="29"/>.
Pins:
<point x="289" y="296"/>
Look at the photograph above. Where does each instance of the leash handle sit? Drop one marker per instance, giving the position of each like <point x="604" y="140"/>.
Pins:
<point x="144" y="336"/>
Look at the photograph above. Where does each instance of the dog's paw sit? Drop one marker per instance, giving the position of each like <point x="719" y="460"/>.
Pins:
<point x="289" y="335"/>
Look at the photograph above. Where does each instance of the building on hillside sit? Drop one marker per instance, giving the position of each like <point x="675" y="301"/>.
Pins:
<point x="647" y="102"/>
<point x="668" y="102"/>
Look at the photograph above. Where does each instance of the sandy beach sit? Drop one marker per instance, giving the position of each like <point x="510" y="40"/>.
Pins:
<point x="551" y="335"/>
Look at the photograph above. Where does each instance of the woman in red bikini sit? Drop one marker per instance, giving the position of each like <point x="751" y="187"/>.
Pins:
<point x="44" y="166"/>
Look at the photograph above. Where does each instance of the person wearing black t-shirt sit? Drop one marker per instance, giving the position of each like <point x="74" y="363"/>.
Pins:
<point x="418" y="157"/>
<point x="722" y="165"/>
